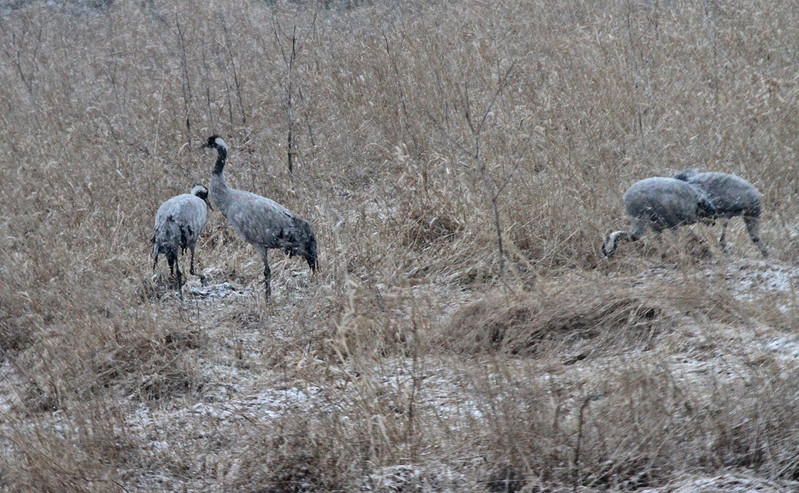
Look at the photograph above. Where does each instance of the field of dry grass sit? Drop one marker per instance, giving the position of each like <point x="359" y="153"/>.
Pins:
<point x="461" y="163"/>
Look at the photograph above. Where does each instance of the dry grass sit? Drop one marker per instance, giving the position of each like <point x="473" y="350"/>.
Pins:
<point x="461" y="164"/>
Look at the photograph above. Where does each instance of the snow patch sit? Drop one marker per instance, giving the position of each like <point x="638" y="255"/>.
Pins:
<point x="271" y="403"/>
<point x="786" y="347"/>
<point x="748" y="281"/>
<point x="412" y="478"/>
<point x="216" y="291"/>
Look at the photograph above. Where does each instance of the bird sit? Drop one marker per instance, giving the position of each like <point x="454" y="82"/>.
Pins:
<point x="732" y="196"/>
<point x="178" y="223"/>
<point x="659" y="203"/>
<point x="261" y="222"/>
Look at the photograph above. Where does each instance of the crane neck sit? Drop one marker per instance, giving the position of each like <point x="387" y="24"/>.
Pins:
<point x="219" y="189"/>
<point x="221" y="160"/>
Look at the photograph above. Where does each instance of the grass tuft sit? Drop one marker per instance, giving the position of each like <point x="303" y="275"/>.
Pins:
<point x="461" y="164"/>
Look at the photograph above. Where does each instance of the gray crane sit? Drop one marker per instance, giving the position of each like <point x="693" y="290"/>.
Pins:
<point x="659" y="203"/>
<point x="733" y="196"/>
<point x="261" y="222"/>
<point x="178" y="223"/>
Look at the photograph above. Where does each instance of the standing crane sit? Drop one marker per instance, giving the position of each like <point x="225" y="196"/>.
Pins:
<point x="178" y="223"/>
<point x="262" y="222"/>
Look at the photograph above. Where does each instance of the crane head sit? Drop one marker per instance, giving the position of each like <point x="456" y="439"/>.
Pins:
<point x="202" y="192"/>
<point x="215" y="142"/>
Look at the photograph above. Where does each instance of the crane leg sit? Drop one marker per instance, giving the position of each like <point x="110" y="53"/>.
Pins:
<point x="267" y="271"/>
<point x="267" y="279"/>
<point x="723" y="237"/>
<point x="192" y="263"/>
<point x="174" y="270"/>
<point x="179" y="275"/>
<point x="753" y="228"/>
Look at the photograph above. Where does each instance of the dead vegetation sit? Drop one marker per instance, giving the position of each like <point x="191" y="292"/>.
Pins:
<point x="569" y="313"/>
<point x="461" y="164"/>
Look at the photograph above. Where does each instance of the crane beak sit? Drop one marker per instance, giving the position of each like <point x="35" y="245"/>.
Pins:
<point x="208" y="202"/>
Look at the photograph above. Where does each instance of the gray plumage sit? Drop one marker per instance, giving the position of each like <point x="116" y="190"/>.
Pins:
<point x="262" y="222"/>
<point x="658" y="204"/>
<point x="178" y="223"/>
<point x="732" y="196"/>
